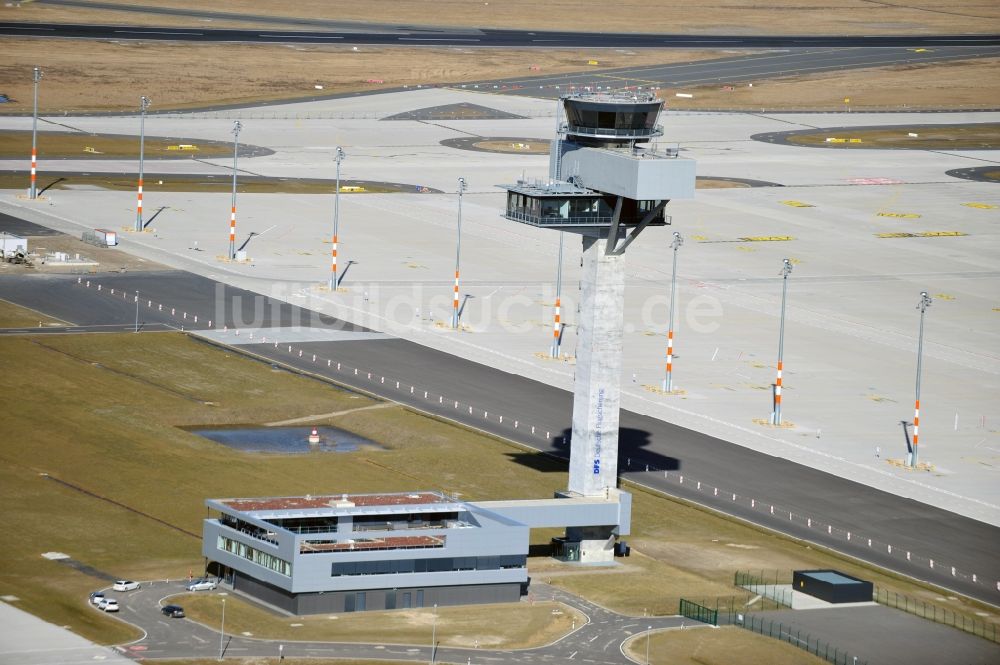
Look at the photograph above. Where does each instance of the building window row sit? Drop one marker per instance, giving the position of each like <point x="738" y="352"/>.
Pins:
<point x="258" y="557"/>
<point x="440" y="565"/>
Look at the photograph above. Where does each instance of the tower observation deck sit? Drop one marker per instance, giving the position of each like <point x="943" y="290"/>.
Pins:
<point x="607" y="185"/>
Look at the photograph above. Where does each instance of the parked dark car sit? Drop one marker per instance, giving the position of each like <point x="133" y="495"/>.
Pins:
<point x="174" y="611"/>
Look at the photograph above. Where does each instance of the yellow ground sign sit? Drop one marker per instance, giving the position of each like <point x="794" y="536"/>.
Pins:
<point x="352" y="188"/>
<point x="182" y="147"/>
<point x="798" y="204"/>
<point x="899" y="215"/>
<point x="981" y="206"/>
<point x="593" y="62"/>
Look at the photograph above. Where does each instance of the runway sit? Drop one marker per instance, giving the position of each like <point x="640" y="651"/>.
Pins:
<point x="890" y="531"/>
<point x="392" y="35"/>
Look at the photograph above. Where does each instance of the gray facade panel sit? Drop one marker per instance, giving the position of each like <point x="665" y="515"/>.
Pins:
<point x="622" y="174"/>
<point x="336" y="602"/>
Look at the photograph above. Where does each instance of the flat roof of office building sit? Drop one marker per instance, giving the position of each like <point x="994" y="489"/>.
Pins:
<point x="309" y="501"/>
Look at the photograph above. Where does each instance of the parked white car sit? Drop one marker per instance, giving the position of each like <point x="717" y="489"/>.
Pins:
<point x="202" y="585"/>
<point x="97" y="597"/>
<point x="125" y="585"/>
<point x="110" y="605"/>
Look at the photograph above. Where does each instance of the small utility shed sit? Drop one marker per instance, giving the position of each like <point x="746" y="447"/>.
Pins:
<point x="832" y="586"/>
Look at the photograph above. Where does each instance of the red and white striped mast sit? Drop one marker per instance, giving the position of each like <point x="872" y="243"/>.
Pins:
<point x="144" y="103"/>
<point x="458" y="254"/>
<point x="925" y="302"/>
<point x="334" y="279"/>
<point x="33" y="190"/>
<point x="557" y="322"/>
<point x="668" y="380"/>
<point x="237" y="126"/>
<point x="786" y="270"/>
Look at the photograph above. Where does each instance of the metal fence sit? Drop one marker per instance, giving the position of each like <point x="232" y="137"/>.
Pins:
<point x="795" y="637"/>
<point x="692" y="610"/>
<point x="775" y="586"/>
<point x="937" y="614"/>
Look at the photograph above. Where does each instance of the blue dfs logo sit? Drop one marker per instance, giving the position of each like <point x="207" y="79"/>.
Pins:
<point x="597" y="466"/>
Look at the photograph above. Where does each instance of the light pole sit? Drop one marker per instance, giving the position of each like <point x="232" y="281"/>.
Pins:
<point x="334" y="280"/>
<point x="786" y="270"/>
<point x="434" y="627"/>
<point x="458" y="253"/>
<point x="237" y="126"/>
<point x="137" y="311"/>
<point x="222" y="630"/>
<point x="144" y="103"/>
<point x="557" y="323"/>
<point x="33" y="191"/>
<point x="925" y="302"/>
<point x="668" y="380"/>
<point x="648" y="635"/>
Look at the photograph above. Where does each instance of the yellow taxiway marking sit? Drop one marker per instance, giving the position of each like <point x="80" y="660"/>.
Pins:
<point x="981" y="206"/>
<point x="899" y="215"/>
<point x="924" y="234"/>
<point x="798" y="204"/>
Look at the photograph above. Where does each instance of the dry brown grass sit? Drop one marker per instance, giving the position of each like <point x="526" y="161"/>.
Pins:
<point x="100" y="76"/>
<point x="521" y="625"/>
<point x="661" y="16"/>
<point x="723" y="646"/>
<point x="953" y="84"/>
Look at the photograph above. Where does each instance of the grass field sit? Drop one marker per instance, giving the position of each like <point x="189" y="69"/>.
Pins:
<point x="979" y="136"/>
<point x="64" y="145"/>
<point x="723" y="646"/>
<point x="268" y="73"/>
<point x="174" y="75"/>
<point x="204" y="184"/>
<point x="94" y="465"/>
<point x="501" y="626"/>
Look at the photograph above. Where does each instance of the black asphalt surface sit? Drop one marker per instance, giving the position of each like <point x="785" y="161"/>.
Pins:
<point x="22" y="227"/>
<point x="890" y="531"/>
<point x="374" y="34"/>
<point x="792" y="60"/>
<point x="878" y="635"/>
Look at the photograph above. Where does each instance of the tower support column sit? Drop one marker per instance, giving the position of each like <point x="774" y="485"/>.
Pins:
<point x="597" y="388"/>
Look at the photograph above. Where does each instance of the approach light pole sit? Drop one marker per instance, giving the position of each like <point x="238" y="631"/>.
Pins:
<point x="33" y="190"/>
<point x="668" y="380"/>
<point x="557" y="322"/>
<point x="648" y="635"/>
<point x="925" y="302"/>
<point x="144" y="103"/>
<point x="786" y="270"/>
<point x="222" y="631"/>
<point x="334" y="279"/>
<point x="458" y="253"/>
<point x="237" y="126"/>
<point x="137" y="311"/>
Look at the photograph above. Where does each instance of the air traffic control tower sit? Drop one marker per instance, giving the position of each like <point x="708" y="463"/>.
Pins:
<point x="607" y="184"/>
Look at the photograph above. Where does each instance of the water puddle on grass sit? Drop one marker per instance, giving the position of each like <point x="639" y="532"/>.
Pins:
<point x="284" y="440"/>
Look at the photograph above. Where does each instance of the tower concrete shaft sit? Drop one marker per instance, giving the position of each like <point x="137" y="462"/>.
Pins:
<point x="597" y="388"/>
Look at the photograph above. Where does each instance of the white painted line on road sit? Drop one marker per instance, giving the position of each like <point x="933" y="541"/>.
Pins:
<point x="157" y="32"/>
<point x="434" y="39"/>
<point x="297" y="36"/>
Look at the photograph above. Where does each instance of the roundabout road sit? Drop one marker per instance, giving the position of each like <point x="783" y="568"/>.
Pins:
<point x="598" y="641"/>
